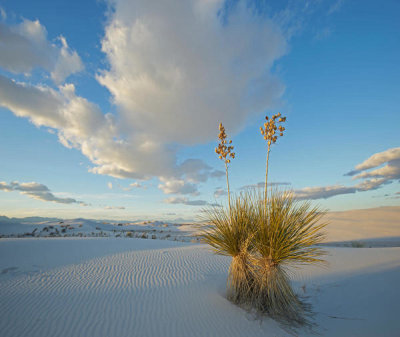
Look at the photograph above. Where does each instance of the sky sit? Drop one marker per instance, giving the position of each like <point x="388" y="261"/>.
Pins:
<point x="110" y="109"/>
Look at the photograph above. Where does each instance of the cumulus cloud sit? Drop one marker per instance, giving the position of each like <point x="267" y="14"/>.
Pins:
<point x="371" y="180"/>
<point x="24" y="47"/>
<point x="219" y="192"/>
<point x="177" y="186"/>
<point x="195" y="171"/>
<point x="175" y="71"/>
<point x="171" y="62"/>
<point x="186" y="201"/>
<point x="79" y="124"/>
<point x="37" y="191"/>
<point x="68" y="62"/>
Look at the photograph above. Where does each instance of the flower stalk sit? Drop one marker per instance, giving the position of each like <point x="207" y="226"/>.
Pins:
<point x="225" y="153"/>
<point x="270" y="133"/>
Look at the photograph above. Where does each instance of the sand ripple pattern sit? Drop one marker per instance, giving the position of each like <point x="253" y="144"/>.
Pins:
<point x="175" y="291"/>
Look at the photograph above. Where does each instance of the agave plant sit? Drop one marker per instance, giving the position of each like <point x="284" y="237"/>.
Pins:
<point x="230" y="232"/>
<point x="287" y="234"/>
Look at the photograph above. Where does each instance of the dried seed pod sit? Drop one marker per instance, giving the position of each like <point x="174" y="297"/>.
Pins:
<point x="223" y="150"/>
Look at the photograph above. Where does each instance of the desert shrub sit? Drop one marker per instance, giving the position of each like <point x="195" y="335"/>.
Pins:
<point x="264" y="244"/>
<point x="265" y="234"/>
<point x="129" y="235"/>
<point x="230" y="232"/>
<point x="357" y="244"/>
<point x="287" y="233"/>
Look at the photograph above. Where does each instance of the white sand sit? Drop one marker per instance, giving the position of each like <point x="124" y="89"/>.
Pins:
<point x="367" y="227"/>
<point x="132" y="287"/>
<point x="361" y="224"/>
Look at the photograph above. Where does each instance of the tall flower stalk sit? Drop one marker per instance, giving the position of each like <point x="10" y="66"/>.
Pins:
<point x="270" y="133"/>
<point x="224" y="151"/>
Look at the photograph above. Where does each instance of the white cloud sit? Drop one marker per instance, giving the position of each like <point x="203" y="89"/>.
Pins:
<point x="378" y="159"/>
<point x="186" y="201"/>
<point x="5" y="187"/>
<point x="175" y="72"/>
<point x="323" y="192"/>
<point x="186" y="176"/>
<point x="37" y="191"/>
<point x="195" y="171"/>
<point x="25" y="46"/>
<point x="68" y="62"/>
<point x="110" y="185"/>
<point x="390" y="171"/>
<point x="136" y="185"/>
<point x="177" y="186"/>
<point x="80" y="124"/>
<point x="219" y="192"/>
<point x="371" y="180"/>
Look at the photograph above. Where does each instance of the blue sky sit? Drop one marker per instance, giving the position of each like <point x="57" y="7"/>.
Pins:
<point x="111" y="109"/>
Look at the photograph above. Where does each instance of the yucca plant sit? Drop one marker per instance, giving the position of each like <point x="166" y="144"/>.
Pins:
<point x="265" y="235"/>
<point x="287" y="234"/>
<point x="230" y="232"/>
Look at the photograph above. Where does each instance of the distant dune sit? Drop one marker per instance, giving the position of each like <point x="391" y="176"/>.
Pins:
<point x="376" y="227"/>
<point x="361" y="224"/>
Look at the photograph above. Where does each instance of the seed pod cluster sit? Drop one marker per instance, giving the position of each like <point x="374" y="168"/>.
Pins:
<point x="270" y="130"/>
<point x="224" y="149"/>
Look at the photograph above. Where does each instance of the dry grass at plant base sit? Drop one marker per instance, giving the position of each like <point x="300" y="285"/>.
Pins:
<point x="264" y="245"/>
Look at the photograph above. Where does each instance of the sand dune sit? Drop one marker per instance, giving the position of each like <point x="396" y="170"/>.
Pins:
<point x="139" y="287"/>
<point x="361" y="224"/>
<point x="374" y="227"/>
